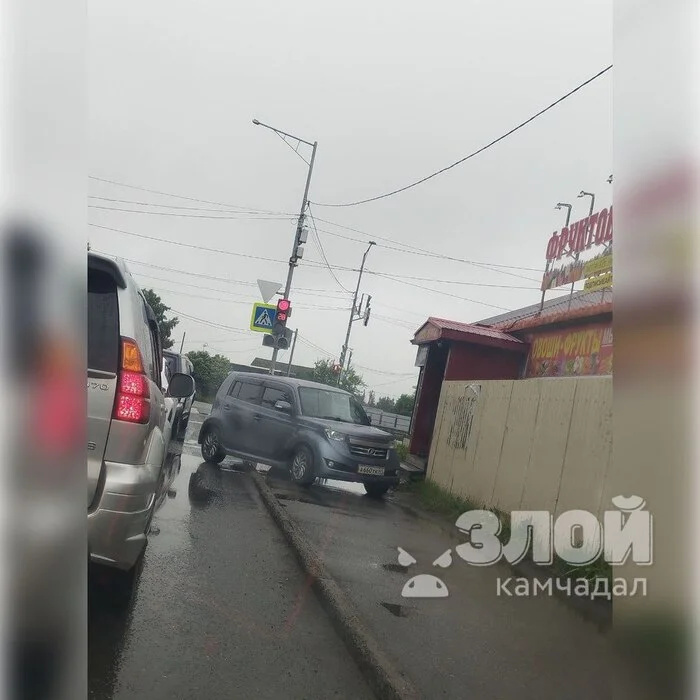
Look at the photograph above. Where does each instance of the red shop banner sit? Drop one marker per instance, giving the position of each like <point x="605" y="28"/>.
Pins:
<point x="586" y="351"/>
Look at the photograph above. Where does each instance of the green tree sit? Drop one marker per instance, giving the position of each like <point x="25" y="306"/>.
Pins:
<point x="404" y="404"/>
<point x="324" y="374"/>
<point x="209" y="373"/>
<point x="165" y="325"/>
<point x="386" y="404"/>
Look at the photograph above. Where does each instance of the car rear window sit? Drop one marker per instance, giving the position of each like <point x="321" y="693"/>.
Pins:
<point x="103" y="322"/>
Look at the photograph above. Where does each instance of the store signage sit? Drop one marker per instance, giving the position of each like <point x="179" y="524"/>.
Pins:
<point x="572" y="241"/>
<point x="600" y="282"/>
<point x="578" y="352"/>
<point x="578" y="270"/>
<point x="594" y="230"/>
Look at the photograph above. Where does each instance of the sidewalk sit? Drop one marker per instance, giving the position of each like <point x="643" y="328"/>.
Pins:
<point x="471" y="644"/>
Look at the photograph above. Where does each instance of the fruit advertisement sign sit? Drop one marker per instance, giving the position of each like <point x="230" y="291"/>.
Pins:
<point x="583" y="351"/>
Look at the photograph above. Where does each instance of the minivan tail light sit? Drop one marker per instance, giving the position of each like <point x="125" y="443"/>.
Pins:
<point x="131" y="356"/>
<point x="132" y="402"/>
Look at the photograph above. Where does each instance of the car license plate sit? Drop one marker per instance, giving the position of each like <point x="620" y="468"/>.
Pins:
<point x="372" y="471"/>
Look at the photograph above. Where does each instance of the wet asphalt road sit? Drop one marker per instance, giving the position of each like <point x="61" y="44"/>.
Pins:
<point x="222" y="609"/>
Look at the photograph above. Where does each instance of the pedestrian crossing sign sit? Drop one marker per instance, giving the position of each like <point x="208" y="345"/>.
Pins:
<point x="263" y="317"/>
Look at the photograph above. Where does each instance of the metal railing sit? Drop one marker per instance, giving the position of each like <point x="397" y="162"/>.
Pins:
<point x="390" y="421"/>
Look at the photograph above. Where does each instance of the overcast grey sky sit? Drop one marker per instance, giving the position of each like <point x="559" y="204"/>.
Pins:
<point x="391" y="91"/>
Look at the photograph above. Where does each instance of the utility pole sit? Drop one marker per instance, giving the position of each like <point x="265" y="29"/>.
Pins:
<point x="354" y="312"/>
<point x="182" y="344"/>
<point x="291" y="353"/>
<point x="297" y="250"/>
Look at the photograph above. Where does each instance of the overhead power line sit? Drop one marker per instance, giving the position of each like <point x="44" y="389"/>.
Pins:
<point x="405" y="247"/>
<point x="179" y="271"/>
<point x="245" y="302"/>
<point x="323" y="254"/>
<point x="177" y="196"/>
<point x="243" y="216"/>
<point x="180" y="206"/>
<point x="474" y="153"/>
<point x="311" y="263"/>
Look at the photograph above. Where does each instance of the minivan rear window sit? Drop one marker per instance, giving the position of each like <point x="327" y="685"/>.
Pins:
<point x="103" y="322"/>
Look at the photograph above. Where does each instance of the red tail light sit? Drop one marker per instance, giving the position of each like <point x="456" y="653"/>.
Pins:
<point x="132" y="403"/>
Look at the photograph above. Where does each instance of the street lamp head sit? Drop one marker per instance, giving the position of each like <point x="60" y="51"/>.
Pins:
<point x="256" y="122"/>
<point x="561" y="205"/>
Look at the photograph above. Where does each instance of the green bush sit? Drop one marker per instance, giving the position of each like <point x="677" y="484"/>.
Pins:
<point x="401" y="450"/>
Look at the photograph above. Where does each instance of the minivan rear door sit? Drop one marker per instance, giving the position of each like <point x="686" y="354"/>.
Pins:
<point x="103" y="364"/>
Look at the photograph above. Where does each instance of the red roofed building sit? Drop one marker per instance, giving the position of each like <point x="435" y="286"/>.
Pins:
<point x="570" y="336"/>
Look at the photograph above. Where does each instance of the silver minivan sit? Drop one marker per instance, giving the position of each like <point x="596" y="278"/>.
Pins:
<point x="127" y="427"/>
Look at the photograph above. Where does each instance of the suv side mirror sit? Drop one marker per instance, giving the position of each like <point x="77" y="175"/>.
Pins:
<point x="181" y="386"/>
<point x="284" y="406"/>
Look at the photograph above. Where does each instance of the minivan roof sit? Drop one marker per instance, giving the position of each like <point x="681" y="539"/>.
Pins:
<point x="290" y="381"/>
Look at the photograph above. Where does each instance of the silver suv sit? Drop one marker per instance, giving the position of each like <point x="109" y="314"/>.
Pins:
<point x="314" y="430"/>
<point x="127" y="429"/>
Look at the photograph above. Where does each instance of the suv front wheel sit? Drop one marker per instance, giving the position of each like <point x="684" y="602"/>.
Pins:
<point x="302" y="466"/>
<point x="212" y="451"/>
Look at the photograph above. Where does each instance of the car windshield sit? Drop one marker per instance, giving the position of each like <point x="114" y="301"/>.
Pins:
<point x="332" y="405"/>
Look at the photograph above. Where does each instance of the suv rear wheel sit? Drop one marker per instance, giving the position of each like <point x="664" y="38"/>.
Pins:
<point x="376" y="490"/>
<point x="212" y="451"/>
<point x="302" y="466"/>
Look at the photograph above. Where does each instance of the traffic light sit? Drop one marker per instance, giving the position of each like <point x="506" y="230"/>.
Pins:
<point x="284" y="311"/>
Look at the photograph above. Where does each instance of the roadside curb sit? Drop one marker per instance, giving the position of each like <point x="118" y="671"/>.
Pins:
<point x="386" y="681"/>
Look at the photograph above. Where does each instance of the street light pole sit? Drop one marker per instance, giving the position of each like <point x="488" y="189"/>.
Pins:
<point x="560" y="205"/>
<point x="353" y="310"/>
<point x="300" y="223"/>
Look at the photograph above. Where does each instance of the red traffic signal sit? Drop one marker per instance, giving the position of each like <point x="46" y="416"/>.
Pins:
<point x="284" y="310"/>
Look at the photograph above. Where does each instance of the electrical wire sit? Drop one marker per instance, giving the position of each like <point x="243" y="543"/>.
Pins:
<point x="428" y="254"/>
<point x="318" y="348"/>
<point x="474" y="153"/>
<point x="227" y="217"/>
<point x="245" y="302"/>
<point x="325" y="292"/>
<point x="258" y="257"/>
<point x="406" y="248"/>
<point x="177" y="196"/>
<point x="219" y="251"/>
<point x="323" y="253"/>
<point x="179" y="206"/>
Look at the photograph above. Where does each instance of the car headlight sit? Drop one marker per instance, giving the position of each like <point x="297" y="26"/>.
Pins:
<point x="335" y="435"/>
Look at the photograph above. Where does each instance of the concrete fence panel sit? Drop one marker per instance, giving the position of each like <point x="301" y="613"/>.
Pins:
<point x="537" y="444"/>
